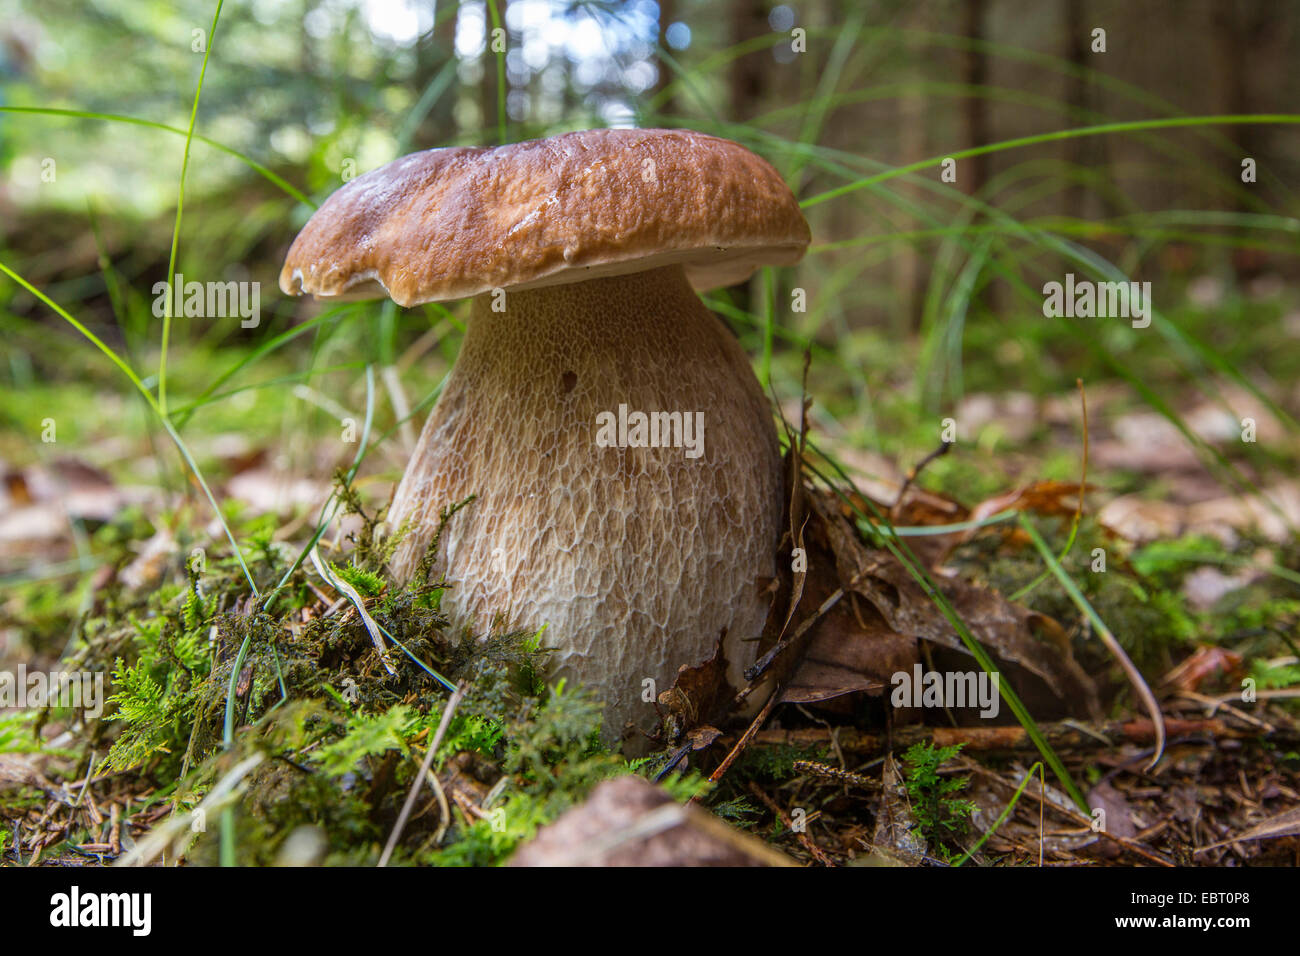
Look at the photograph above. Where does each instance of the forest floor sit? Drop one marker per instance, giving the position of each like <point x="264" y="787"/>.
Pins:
<point x="1148" y="638"/>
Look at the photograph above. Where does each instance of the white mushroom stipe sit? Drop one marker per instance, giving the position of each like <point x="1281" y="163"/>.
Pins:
<point x="637" y="560"/>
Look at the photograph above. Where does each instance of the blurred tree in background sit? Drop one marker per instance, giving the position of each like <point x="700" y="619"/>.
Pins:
<point x="833" y="92"/>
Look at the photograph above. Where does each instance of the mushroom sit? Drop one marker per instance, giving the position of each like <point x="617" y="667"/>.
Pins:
<point x="624" y="459"/>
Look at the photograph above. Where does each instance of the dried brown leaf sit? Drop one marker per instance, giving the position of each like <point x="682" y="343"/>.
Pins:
<point x="1011" y="632"/>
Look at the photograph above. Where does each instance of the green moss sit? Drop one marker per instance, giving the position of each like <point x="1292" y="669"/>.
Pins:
<point x="365" y="582"/>
<point x="774" y="763"/>
<point x="342" y="736"/>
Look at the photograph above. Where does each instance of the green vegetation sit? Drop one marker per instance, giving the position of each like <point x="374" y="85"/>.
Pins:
<point x="942" y="817"/>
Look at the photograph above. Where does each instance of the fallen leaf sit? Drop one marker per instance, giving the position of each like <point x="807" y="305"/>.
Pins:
<point x="849" y="652"/>
<point x="1013" y="414"/>
<point x="1119" y="816"/>
<point x="701" y="737"/>
<point x="146" y="569"/>
<point x="895" y="825"/>
<point x="1275" y="513"/>
<point x="1206" y="586"/>
<point x="1047" y="498"/>
<point x="18" y="770"/>
<point x="267" y="490"/>
<point x="698" y="694"/>
<point x="1009" y="631"/>
<point x="1207" y="661"/>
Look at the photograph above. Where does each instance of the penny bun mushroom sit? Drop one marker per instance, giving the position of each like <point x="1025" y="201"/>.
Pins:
<point x="624" y="459"/>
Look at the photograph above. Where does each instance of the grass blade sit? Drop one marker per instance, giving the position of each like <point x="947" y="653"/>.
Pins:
<point x="180" y="206"/>
<point x="1104" y="633"/>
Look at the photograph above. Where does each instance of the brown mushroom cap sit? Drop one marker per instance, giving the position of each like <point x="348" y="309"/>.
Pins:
<point x="453" y="223"/>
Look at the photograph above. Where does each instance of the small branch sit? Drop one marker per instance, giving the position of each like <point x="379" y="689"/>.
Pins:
<point x="744" y="740"/>
<point x="781" y="815"/>
<point x="447" y="712"/>
<point x="1065" y="809"/>
<point x="846" y="777"/>
<point x="1068" y="735"/>
<point x="912" y="475"/>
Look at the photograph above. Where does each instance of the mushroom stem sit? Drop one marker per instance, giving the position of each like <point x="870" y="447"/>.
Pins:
<point x="637" y="558"/>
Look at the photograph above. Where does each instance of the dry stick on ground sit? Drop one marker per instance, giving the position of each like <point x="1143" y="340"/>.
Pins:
<point x="447" y="711"/>
<point x="846" y="777"/>
<point x="1213" y="704"/>
<point x="1069" y="811"/>
<point x="1069" y="735"/>
<point x="115" y="829"/>
<point x="745" y="738"/>
<point x="96" y="815"/>
<point x="761" y="667"/>
<point x="912" y="475"/>
<point x="90" y="768"/>
<point x="781" y="815"/>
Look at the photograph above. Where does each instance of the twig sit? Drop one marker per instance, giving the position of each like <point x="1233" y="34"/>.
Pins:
<point x="755" y="673"/>
<point x="1212" y="705"/>
<point x="1068" y="810"/>
<point x="1063" y="734"/>
<point x="846" y="777"/>
<point x="90" y="768"/>
<point x="912" y="475"/>
<point x="447" y="711"/>
<point x="744" y="740"/>
<point x="781" y="815"/>
<point x="115" y="829"/>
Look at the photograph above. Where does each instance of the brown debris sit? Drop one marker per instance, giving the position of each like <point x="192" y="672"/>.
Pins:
<point x="630" y="822"/>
